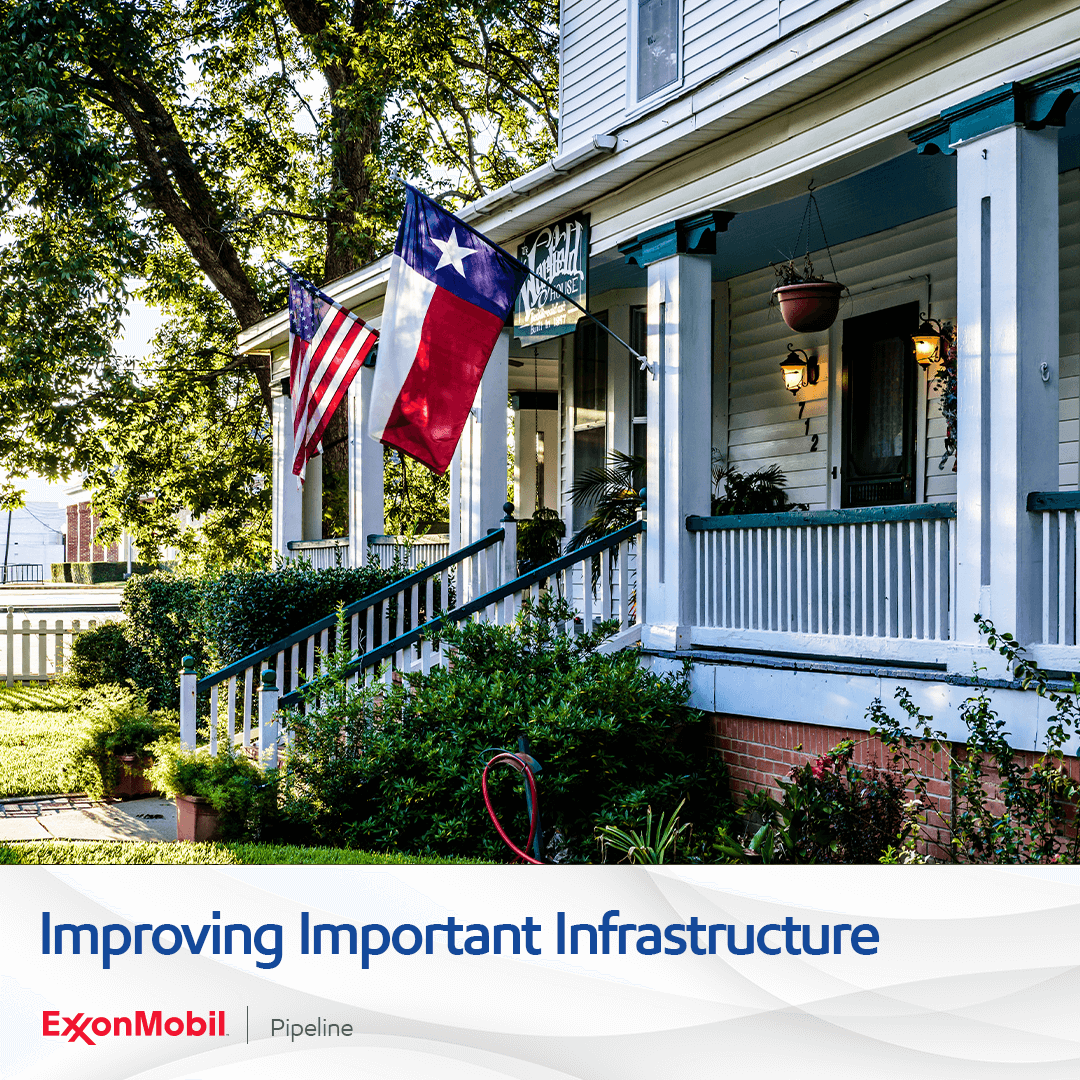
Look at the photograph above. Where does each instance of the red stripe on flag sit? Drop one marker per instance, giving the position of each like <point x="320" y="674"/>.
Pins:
<point x="354" y="349"/>
<point x="434" y="401"/>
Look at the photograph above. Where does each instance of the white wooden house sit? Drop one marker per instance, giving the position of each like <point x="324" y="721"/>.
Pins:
<point x="944" y="157"/>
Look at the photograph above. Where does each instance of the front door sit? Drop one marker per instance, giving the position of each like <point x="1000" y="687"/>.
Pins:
<point x="879" y="407"/>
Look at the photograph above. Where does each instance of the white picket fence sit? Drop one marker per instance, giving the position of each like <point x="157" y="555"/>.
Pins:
<point x="38" y="649"/>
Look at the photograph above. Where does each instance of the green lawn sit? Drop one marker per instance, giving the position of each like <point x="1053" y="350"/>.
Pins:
<point x="37" y="727"/>
<point x="134" y="852"/>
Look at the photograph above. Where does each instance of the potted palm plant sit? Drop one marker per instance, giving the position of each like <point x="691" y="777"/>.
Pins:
<point x="112" y="755"/>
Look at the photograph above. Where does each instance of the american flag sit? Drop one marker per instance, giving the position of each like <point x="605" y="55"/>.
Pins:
<point x="328" y="346"/>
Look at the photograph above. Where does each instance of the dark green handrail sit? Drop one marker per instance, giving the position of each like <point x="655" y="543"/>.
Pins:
<point x="525" y="581"/>
<point x="1039" y="501"/>
<point x="358" y="606"/>
<point x="789" y="519"/>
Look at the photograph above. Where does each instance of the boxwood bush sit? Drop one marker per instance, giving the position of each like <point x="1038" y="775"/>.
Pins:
<point x="164" y="624"/>
<point x="101" y="655"/>
<point x="400" y="770"/>
<point x="243" y="611"/>
<point x="220" y="620"/>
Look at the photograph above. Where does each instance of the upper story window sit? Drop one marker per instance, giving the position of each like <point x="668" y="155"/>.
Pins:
<point x="655" y="46"/>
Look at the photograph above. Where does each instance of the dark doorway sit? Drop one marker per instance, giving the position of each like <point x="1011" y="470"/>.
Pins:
<point x="879" y="402"/>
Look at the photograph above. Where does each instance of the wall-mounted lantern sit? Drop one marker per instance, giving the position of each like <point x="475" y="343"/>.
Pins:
<point x="927" y="342"/>
<point x="799" y="370"/>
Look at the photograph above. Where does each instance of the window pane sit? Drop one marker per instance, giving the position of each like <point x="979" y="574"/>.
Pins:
<point x="590" y="373"/>
<point x="658" y="45"/>
<point x="588" y="456"/>
<point x="877" y="409"/>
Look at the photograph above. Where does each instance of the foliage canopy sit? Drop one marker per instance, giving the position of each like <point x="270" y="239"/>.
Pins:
<point x="168" y="149"/>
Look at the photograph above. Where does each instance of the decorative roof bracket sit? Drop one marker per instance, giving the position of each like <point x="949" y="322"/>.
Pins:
<point x="1039" y="103"/>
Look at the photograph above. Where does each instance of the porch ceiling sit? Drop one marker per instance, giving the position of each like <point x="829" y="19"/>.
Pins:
<point x="892" y="193"/>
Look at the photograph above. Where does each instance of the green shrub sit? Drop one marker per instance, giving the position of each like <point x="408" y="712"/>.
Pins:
<point x="113" y="721"/>
<point x="830" y="811"/>
<point x="399" y="769"/>
<point x="163" y="626"/>
<point x="243" y="611"/>
<point x="101" y="655"/>
<point x="244" y="796"/>
<point x="97" y="573"/>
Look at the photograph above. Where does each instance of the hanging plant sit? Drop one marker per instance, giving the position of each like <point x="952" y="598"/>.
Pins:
<point x="945" y="381"/>
<point x="808" y="302"/>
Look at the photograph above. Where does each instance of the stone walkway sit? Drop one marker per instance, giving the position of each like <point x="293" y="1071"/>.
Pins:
<point x="77" y="817"/>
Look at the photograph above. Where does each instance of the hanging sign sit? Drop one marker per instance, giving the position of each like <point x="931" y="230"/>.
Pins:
<point x="559" y="253"/>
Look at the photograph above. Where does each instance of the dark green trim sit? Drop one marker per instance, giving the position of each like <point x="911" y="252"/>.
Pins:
<point x="860" y="516"/>
<point x="688" y="236"/>
<point x="406" y="641"/>
<point x="1042" y="102"/>
<point x="1053" y="500"/>
<point x="238" y="667"/>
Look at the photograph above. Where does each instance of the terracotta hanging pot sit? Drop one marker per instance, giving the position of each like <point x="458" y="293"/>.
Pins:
<point x="809" y="306"/>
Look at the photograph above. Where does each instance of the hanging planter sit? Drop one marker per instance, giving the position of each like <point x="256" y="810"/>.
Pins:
<point x="808" y="302"/>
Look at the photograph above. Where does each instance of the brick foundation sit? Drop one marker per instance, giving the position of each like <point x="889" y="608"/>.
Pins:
<point x="759" y="752"/>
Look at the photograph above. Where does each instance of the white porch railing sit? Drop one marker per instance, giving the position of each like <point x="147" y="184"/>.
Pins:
<point x="870" y="582"/>
<point x="322" y="554"/>
<point x="373" y="621"/>
<point x="325" y="554"/>
<point x="34" y="650"/>
<point x="416" y="549"/>
<point x="1059" y="516"/>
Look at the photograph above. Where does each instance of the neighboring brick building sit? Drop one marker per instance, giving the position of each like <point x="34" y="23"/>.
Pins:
<point x="82" y="524"/>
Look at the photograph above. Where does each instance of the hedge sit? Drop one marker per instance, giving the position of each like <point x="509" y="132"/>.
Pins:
<point x="97" y="573"/>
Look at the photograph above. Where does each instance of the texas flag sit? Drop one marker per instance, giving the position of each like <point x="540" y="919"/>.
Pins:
<point x="447" y="299"/>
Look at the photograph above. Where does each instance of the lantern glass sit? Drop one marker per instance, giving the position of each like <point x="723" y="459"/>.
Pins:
<point x="927" y="344"/>
<point x="794" y="372"/>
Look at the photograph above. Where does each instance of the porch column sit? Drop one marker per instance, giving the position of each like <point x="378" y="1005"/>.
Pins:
<point x="286" y="500"/>
<point x="678" y="476"/>
<point x="1007" y="366"/>
<point x="478" y="470"/>
<point x="365" y="472"/>
<point x="678" y="455"/>
<point x="312" y="499"/>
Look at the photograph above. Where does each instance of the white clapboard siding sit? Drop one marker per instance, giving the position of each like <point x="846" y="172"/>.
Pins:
<point x="1069" y="370"/>
<point x="795" y="14"/>
<point x="593" y="96"/>
<point x="764" y="427"/>
<point x="764" y="424"/>
<point x="718" y="35"/>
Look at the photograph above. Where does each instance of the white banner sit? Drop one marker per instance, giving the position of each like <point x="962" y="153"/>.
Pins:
<point x="198" y="973"/>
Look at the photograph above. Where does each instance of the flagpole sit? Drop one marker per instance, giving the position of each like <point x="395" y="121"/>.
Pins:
<point x="643" y="361"/>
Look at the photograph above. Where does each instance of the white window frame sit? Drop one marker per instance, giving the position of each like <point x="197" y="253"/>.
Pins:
<point x="633" y="103"/>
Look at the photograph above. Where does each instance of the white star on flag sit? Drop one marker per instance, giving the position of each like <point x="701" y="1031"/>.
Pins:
<point x="453" y="254"/>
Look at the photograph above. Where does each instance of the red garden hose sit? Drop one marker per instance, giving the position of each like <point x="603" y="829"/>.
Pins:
<point x="504" y="757"/>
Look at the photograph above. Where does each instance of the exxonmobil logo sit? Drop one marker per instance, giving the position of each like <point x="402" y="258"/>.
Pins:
<point x="82" y="1027"/>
